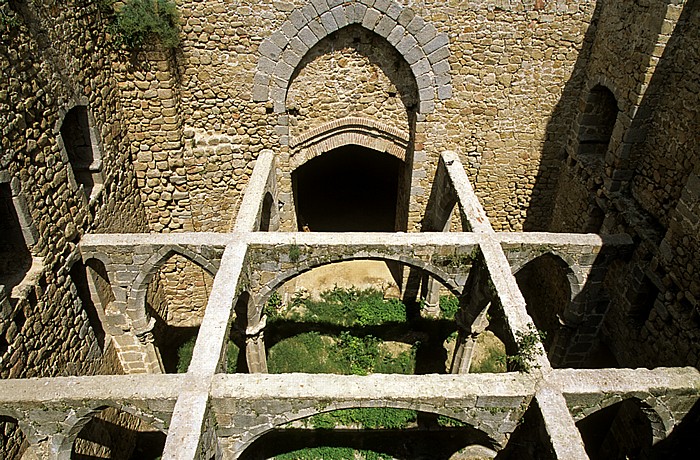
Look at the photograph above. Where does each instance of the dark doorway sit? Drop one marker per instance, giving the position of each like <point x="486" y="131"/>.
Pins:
<point x="349" y="189"/>
<point x="15" y="258"/>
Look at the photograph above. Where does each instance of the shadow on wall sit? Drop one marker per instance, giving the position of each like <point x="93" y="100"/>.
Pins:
<point x="553" y="154"/>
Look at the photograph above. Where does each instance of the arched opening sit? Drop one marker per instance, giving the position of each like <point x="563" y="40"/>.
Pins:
<point x="15" y="258"/>
<point x="620" y="431"/>
<point x="115" y="434"/>
<point x="529" y="441"/>
<point x="545" y="286"/>
<point x="378" y="432"/>
<point x="597" y="122"/>
<point x="82" y="150"/>
<point x="13" y="443"/>
<point x="176" y="298"/>
<point x="351" y="188"/>
<point x="79" y="278"/>
<point x="349" y="318"/>
<point x="267" y="214"/>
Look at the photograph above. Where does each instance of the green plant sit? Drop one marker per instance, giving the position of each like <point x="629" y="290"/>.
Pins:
<point x="360" y="353"/>
<point x="331" y="453"/>
<point x="294" y="253"/>
<point x="449" y="421"/>
<point x="232" y="357"/>
<point x="184" y="355"/>
<point x="8" y="18"/>
<point x="367" y="417"/>
<point x="140" y="20"/>
<point x="527" y="348"/>
<point x="273" y="306"/>
<point x="449" y="305"/>
<point x="494" y="362"/>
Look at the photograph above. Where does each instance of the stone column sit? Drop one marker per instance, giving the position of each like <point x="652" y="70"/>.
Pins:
<point x="471" y="317"/>
<point x="431" y="306"/>
<point x="469" y="331"/>
<point x="255" y="348"/>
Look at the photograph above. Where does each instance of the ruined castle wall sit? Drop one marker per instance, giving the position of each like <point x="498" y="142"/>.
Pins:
<point x="647" y="182"/>
<point x="53" y="57"/>
<point x="509" y="107"/>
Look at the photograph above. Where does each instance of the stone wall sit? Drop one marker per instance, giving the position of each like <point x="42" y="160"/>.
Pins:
<point x="53" y="57"/>
<point x="352" y="73"/>
<point x="646" y="182"/>
<point x="513" y="66"/>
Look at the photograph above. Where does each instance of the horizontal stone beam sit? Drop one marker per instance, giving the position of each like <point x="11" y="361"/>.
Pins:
<point x="371" y="387"/>
<point x="105" y="388"/>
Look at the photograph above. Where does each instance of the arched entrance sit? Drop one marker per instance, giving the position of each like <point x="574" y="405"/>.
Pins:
<point x="350" y="188"/>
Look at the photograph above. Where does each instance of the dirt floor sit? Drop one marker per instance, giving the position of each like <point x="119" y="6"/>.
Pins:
<point x="362" y="274"/>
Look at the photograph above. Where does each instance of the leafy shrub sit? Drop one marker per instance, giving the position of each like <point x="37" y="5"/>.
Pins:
<point x="353" y="307"/>
<point x="449" y="305"/>
<point x="527" y="348"/>
<point x="360" y="353"/>
<point x="140" y="20"/>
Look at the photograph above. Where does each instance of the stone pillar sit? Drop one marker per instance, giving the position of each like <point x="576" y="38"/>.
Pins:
<point x="471" y="317"/>
<point x="431" y="306"/>
<point x="469" y="332"/>
<point x="255" y="348"/>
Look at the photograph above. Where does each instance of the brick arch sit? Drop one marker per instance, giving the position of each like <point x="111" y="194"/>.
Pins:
<point x="360" y="131"/>
<point x="468" y="417"/>
<point x="573" y="273"/>
<point x="661" y="426"/>
<point x="421" y="45"/>
<point x="137" y="298"/>
<point x="268" y="288"/>
<point x="84" y="416"/>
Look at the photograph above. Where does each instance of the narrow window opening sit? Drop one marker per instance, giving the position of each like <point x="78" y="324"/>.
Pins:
<point x="15" y="258"/>
<point x="83" y="156"/>
<point x="643" y="302"/>
<point x="597" y="122"/>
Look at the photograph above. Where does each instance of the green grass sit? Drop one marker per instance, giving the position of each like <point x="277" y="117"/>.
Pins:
<point x="367" y="417"/>
<point x="331" y="453"/>
<point x="343" y="307"/>
<point x="494" y="362"/>
<point x="313" y="353"/>
<point x="184" y="356"/>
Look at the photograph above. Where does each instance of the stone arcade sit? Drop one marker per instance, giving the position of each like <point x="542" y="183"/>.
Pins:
<point x="542" y="164"/>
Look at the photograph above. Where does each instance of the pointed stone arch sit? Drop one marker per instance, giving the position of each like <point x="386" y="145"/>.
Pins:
<point x="419" y="42"/>
<point x="360" y="131"/>
<point x="137" y="300"/>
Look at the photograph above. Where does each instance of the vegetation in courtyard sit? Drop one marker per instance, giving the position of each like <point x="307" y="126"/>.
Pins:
<point x="184" y="356"/>
<point x="368" y="417"/>
<point x="344" y="307"/>
<point x="332" y="453"/>
<point x="449" y="305"/>
<point x="139" y="21"/>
